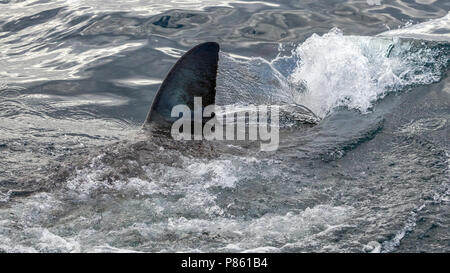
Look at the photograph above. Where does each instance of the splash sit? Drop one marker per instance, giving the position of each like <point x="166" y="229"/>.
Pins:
<point x="331" y="71"/>
<point x="356" y="71"/>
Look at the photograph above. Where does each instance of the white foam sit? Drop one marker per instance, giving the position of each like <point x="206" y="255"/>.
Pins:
<point x="268" y="233"/>
<point x="109" y="249"/>
<point x="50" y="242"/>
<point x="356" y="71"/>
<point x="329" y="71"/>
<point x="221" y="173"/>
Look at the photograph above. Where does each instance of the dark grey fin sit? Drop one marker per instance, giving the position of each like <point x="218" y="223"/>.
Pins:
<point x="194" y="75"/>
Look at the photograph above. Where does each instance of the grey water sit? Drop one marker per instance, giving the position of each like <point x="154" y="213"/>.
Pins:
<point x="78" y="175"/>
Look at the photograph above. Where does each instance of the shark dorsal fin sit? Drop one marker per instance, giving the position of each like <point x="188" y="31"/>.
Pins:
<point x="194" y="75"/>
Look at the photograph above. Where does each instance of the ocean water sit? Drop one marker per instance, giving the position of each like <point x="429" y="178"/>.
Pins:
<point x="77" y="174"/>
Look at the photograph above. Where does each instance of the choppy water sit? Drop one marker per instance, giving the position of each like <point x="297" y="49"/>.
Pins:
<point x="77" y="175"/>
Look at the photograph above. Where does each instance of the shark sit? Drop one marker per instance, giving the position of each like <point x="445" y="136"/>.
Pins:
<point x="193" y="76"/>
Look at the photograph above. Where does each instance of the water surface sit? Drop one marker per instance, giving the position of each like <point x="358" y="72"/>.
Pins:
<point x="77" y="175"/>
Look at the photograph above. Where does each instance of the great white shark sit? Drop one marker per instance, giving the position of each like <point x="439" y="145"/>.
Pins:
<point x="194" y="76"/>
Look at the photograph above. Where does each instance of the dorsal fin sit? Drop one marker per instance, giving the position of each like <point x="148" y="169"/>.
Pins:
<point x="194" y="75"/>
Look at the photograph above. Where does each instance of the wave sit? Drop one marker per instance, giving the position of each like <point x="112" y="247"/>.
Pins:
<point x="433" y="30"/>
<point x="333" y="70"/>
